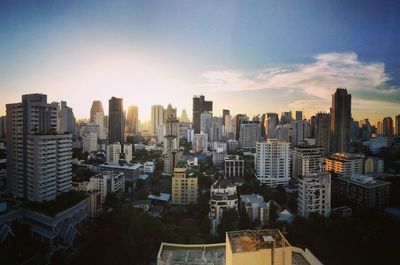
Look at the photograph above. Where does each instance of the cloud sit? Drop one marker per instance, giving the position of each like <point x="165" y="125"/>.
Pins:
<point x="317" y="79"/>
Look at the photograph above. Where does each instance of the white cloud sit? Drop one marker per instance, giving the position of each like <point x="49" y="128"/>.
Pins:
<point x="318" y="79"/>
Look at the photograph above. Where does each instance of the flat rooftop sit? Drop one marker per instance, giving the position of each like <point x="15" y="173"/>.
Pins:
<point x="174" y="254"/>
<point x="253" y="240"/>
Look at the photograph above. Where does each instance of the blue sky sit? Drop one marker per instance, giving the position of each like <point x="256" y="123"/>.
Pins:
<point x="247" y="56"/>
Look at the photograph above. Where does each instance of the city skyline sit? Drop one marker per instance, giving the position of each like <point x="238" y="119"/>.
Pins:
<point x="260" y="57"/>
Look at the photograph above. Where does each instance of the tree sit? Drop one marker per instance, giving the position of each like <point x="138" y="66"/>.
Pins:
<point x="229" y="222"/>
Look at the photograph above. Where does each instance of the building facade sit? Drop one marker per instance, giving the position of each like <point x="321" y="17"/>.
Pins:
<point x="199" y="106"/>
<point x="345" y="164"/>
<point x="234" y="167"/>
<point x="307" y="159"/>
<point x="250" y="133"/>
<point x="340" y="121"/>
<point x="116" y="124"/>
<point x="184" y="186"/>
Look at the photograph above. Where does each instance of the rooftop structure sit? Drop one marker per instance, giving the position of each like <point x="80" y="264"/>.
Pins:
<point x="254" y="240"/>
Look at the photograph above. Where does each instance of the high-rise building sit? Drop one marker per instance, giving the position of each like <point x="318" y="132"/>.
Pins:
<point x="379" y="127"/>
<point x="205" y="119"/>
<point x="169" y="113"/>
<point x="307" y="159"/>
<point x="89" y="142"/>
<point x="397" y="124"/>
<point x="2" y="126"/>
<point x="273" y="162"/>
<point x="250" y="133"/>
<point x="157" y="118"/>
<point x="323" y="131"/>
<point x="199" y="106"/>
<point x="286" y="117"/>
<point x="68" y="123"/>
<point x="229" y="132"/>
<point x="239" y="119"/>
<point x="200" y="142"/>
<point x="132" y="120"/>
<point x="270" y="124"/>
<point x="340" y="121"/>
<point x="116" y="124"/>
<point x="117" y="152"/>
<point x="39" y="161"/>
<point x="214" y="129"/>
<point x="313" y="125"/>
<point x="345" y="164"/>
<point x="171" y="144"/>
<point x="184" y="185"/>
<point x="225" y="112"/>
<point x="387" y="126"/>
<point x="299" y="115"/>
<point x="99" y="120"/>
<point x="314" y="194"/>
<point x="299" y="131"/>
<point x="234" y="166"/>
<point x="184" y="117"/>
<point x="96" y="107"/>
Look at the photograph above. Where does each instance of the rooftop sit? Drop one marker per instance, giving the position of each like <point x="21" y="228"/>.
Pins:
<point x="365" y="181"/>
<point x="345" y="156"/>
<point x="253" y="240"/>
<point x="123" y="166"/>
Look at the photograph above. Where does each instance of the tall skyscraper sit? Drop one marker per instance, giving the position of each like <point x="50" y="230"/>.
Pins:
<point x="387" y="126"/>
<point x="224" y="113"/>
<point x="299" y="115"/>
<point x="250" y="133"/>
<point x="270" y="124"/>
<point x="397" y="123"/>
<point x="2" y="126"/>
<point x="239" y="119"/>
<point x="39" y="161"/>
<point x="132" y="119"/>
<point x="199" y="106"/>
<point x="96" y="107"/>
<point x="340" y="121"/>
<point x="286" y="117"/>
<point x="171" y="144"/>
<point x="68" y="122"/>
<point x="157" y="118"/>
<point x="116" y="124"/>
<point x="273" y="162"/>
<point x="169" y="113"/>
<point x="323" y="131"/>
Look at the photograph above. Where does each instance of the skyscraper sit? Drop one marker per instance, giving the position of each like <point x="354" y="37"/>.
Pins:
<point x="169" y="113"/>
<point x="157" y="118"/>
<point x="132" y="119"/>
<point x="224" y="113"/>
<point x="39" y="161"/>
<point x="96" y="107"/>
<point x="299" y="115"/>
<point x="271" y="122"/>
<point x="250" y="133"/>
<point x="397" y="123"/>
<point x="239" y="119"/>
<point x="199" y="106"/>
<point x="387" y="126"/>
<point x="340" y="121"/>
<point x="68" y="122"/>
<point x="116" y="124"/>
<point x="323" y="131"/>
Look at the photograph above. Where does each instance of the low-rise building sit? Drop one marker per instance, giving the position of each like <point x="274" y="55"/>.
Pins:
<point x="314" y="194"/>
<point x="108" y="182"/>
<point x="218" y="157"/>
<point x="234" y="166"/>
<point x="223" y="196"/>
<point x="365" y="191"/>
<point x="255" y="207"/>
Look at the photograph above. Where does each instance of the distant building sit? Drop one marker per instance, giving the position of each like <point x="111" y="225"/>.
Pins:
<point x="132" y="120"/>
<point x="116" y="117"/>
<point x="387" y="126"/>
<point x="117" y="152"/>
<point x="234" y="166"/>
<point x="184" y="186"/>
<point x="397" y="125"/>
<point x="340" y="121"/>
<point x="345" y="164"/>
<point x="108" y="182"/>
<point x="273" y="162"/>
<point x="314" y="194"/>
<point x="219" y="157"/>
<point x="157" y="118"/>
<point x="323" y="131"/>
<point x="255" y="207"/>
<point x="200" y="143"/>
<point x="307" y="159"/>
<point x="365" y="191"/>
<point x="67" y="119"/>
<point x="233" y="145"/>
<point x="89" y="142"/>
<point x="373" y="165"/>
<point x="270" y="124"/>
<point x="199" y="106"/>
<point x="96" y="108"/>
<point x="223" y="196"/>
<point x="376" y="144"/>
<point x="250" y="133"/>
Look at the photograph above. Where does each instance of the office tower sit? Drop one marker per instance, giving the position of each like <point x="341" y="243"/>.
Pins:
<point x="284" y="132"/>
<point x="323" y="131"/>
<point x="89" y="142"/>
<point x="68" y="122"/>
<point x="200" y="142"/>
<point x="239" y="119"/>
<point x="234" y="166"/>
<point x="99" y="121"/>
<point x="184" y="117"/>
<point x="345" y="164"/>
<point x="96" y="107"/>
<point x="270" y="124"/>
<point x="161" y="133"/>
<point x="172" y="131"/>
<point x="2" y="126"/>
<point x="273" y="162"/>
<point x="313" y="125"/>
<point x="223" y="196"/>
<point x="39" y="161"/>
<point x="250" y="133"/>
<point x="307" y="159"/>
<point x="132" y="120"/>
<point x="214" y="129"/>
<point x="397" y="124"/>
<point x="157" y="118"/>
<point x="184" y="185"/>
<point x="116" y="117"/>
<point x="355" y="130"/>
<point x="200" y="105"/>
<point x="299" y="115"/>
<point x="169" y="113"/>
<point x="286" y="118"/>
<point x="340" y="121"/>
<point x="205" y="119"/>
<point x="387" y="126"/>
<point x="225" y="112"/>
<point x="314" y="194"/>
<point x="229" y="132"/>
<point x="299" y="130"/>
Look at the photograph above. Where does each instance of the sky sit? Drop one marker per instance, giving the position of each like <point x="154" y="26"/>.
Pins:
<point x="247" y="56"/>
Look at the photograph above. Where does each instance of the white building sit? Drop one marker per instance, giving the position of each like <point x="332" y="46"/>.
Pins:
<point x="116" y="152"/>
<point x="108" y="182"/>
<point x="250" y="133"/>
<point x="234" y="166"/>
<point x="89" y="142"/>
<point x="307" y="159"/>
<point x="99" y="120"/>
<point x="157" y="118"/>
<point x="190" y="135"/>
<point x="255" y="207"/>
<point x="200" y="142"/>
<point x="223" y="196"/>
<point x="218" y="157"/>
<point x="205" y="119"/>
<point x="314" y="194"/>
<point x="273" y="162"/>
<point x="160" y="133"/>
